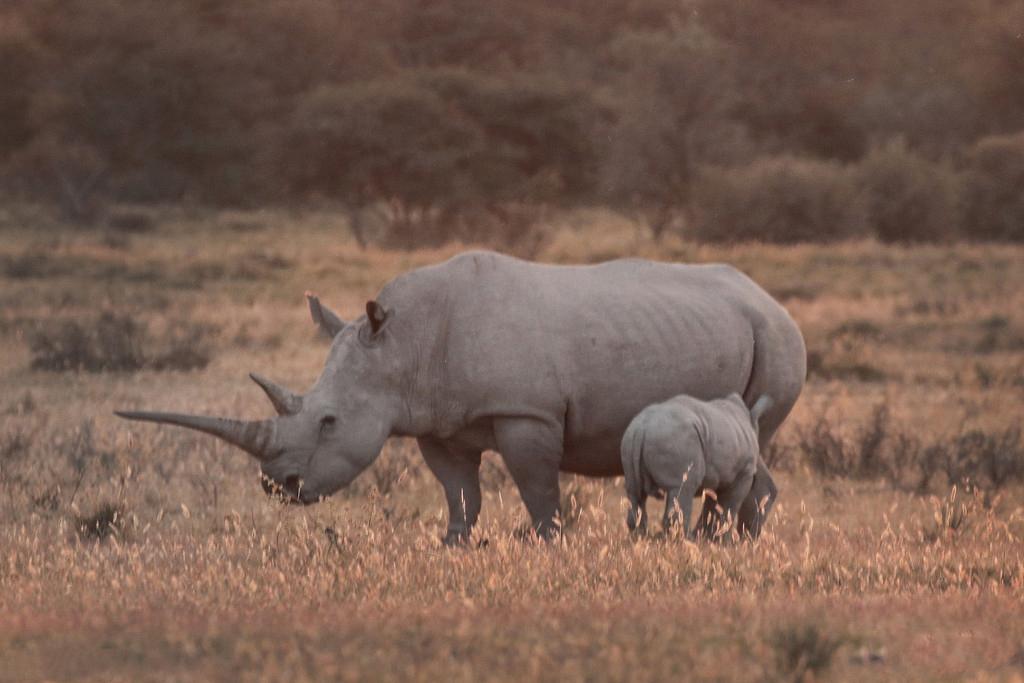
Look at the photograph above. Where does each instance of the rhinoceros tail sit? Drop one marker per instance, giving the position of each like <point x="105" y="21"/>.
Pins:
<point x="633" y="468"/>
<point x="763" y="403"/>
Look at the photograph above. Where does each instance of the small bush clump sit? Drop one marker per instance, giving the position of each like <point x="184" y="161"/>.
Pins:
<point x="118" y="343"/>
<point x="856" y="328"/>
<point x="993" y="200"/>
<point x="33" y="263"/>
<point x="908" y="198"/>
<point x="105" y="521"/>
<point x="830" y="453"/>
<point x="14" y="445"/>
<point x="778" y="199"/>
<point x="818" y="365"/>
<point x="973" y="459"/>
<point x="112" y="343"/>
<point x="803" y="650"/>
<point x="131" y="221"/>
<point x="977" y="459"/>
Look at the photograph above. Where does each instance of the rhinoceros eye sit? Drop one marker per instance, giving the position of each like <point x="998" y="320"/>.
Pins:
<point x="327" y="423"/>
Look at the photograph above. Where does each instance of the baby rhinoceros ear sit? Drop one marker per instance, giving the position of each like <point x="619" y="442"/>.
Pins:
<point x="326" y="319"/>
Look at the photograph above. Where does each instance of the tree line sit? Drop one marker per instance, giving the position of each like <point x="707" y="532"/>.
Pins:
<point x="781" y="120"/>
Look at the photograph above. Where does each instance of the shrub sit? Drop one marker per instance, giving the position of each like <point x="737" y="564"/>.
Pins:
<point x="112" y="343"/>
<point x="131" y="221"/>
<point x="186" y="347"/>
<point x="65" y="173"/>
<point x="117" y="343"/>
<point x="34" y="263"/>
<point x="856" y="327"/>
<point x="820" y="365"/>
<point x="907" y="197"/>
<point x="14" y="445"/>
<point x="106" y="520"/>
<point x="981" y="459"/>
<point x="803" y="652"/>
<point x="971" y="460"/>
<point x="993" y="205"/>
<point x="777" y="199"/>
<point x="829" y="453"/>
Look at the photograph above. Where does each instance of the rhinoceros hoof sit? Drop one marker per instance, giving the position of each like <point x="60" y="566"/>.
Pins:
<point x="455" y="539"/>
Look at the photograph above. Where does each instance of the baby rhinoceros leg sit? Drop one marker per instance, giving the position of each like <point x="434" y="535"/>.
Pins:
<point x="729" y="501"/>
<point x="710" y="518"/>
<point x="679" y="499"/>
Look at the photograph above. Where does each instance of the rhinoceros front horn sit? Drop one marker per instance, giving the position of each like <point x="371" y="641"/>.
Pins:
<point x="285" y="402"/>
<point x="256" y="437"/>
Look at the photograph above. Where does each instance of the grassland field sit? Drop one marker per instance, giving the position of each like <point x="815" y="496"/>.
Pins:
<point x="130" y="552"/>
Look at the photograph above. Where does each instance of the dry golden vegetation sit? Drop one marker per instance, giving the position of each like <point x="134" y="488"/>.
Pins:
<point x="131" y="552"/>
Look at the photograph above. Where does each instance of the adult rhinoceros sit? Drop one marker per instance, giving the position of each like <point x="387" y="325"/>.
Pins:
<point x="544" y="364"/>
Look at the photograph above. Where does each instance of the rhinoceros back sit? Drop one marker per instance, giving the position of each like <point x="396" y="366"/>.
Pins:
<point x="586" y="346"/>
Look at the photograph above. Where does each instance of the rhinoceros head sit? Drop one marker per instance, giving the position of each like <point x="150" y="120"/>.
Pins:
<point x="319" y="442"/>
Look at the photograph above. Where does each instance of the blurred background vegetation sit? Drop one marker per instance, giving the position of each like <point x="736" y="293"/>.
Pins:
<point x="721" y="120"/>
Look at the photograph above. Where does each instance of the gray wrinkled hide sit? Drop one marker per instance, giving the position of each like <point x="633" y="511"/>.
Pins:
<point x="684" y="447"/>
<point x="545" y="364"/>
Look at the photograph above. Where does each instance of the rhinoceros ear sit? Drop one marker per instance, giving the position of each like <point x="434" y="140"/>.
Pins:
<point x="326" y="319"/>
<point x="377" y="315"/>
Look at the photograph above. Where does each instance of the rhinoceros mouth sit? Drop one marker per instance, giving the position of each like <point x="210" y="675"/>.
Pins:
<point x="291" y="491"/>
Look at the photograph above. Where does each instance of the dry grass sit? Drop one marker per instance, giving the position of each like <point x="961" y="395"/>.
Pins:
<point x="136" y="553"/>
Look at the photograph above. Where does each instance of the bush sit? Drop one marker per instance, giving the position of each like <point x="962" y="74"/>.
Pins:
<point x="829" y="453"/>
<point x="803" y="652"/>
<point x="972" y="460"/>
<point x="112" y="343"/>
<point x="117" y="343"/>
<point x="778" y="199"/>
<point x="907" y="197"/>
<point x="108" y="519"/>
<point x="131" y="221"/>
<point x="993" y="206"/>
<point x="63" y="173"/>
<point x="34" y="263"/>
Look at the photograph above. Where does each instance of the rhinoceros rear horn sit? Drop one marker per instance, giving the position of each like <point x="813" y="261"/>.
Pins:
<point x="256" y="437"/>
<point x="285" y="402"/>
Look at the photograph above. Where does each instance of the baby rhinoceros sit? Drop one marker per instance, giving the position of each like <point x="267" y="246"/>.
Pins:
<point x="685" y="446"/>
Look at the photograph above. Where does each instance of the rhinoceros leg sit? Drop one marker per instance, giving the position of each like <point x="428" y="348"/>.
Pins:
<point x="532" y="451"/>
<point x="680" y="501"/>
<point x="458" y="470"/>
<point x="758" y="502"/>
